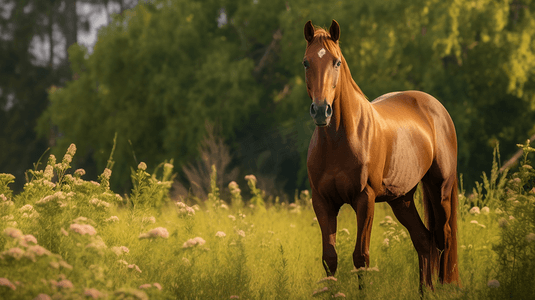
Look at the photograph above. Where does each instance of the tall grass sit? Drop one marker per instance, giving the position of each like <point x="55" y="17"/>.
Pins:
<point x="69" y="238"/>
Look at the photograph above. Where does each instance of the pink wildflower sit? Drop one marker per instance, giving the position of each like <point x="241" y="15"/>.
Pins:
<point x="42" y="297"/>
<point x="157" y="285"/>
<point x="93" y="293"/>
<point x="6" y="282"/>
<point x="154" y="233"/>
<point x="65" y="284"/>
<point x="83" y="229"/>
<point x="13" y="232"/>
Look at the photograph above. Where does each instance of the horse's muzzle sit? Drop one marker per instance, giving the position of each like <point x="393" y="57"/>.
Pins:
<point x="321" y="114"/>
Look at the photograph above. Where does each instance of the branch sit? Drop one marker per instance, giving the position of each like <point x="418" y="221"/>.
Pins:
<point x="515" y="157"/>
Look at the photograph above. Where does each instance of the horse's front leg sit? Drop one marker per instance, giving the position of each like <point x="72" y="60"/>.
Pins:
<point x="326" y="214"/>
<point x="364" y="205"/>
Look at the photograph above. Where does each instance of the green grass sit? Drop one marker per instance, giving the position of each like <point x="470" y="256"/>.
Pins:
<point x="268" y="251"/>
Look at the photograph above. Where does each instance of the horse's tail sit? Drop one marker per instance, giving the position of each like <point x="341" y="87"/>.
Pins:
<point x="449" y="268"/>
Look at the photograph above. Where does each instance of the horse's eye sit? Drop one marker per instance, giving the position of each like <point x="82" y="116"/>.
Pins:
<point x="306" y="63"/>
<point x="338" y="63"/>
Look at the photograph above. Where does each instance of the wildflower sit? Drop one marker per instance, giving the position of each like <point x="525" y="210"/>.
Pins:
<point x="232" y="185"/>
<point x="305" y="192"/>
<point x="220" y="234"/>
<point x="106" y="174"/>
<point x="122" y="262"/>
<point x="196" y="207"/>
<point x="93" y="293"/>
<point x="157" y="285"/>
<point x="233" y="218"/>
<point x="339" y="295"/>
<point x="119" y="198"/>
<point x="511" y="218"/>
<point x="320" y="291"/>
<point x="224" y="206"/>
<point x="241" y="233"/>
<point x="493" y="283"/>
<point x="330" y="278"/>
<point x="26" y="208"/>
<point x="42" y="297"/>
<point x="386" y="242"/>
<point x="13" y="232"/>
<point x="181" y="204"/>
<point x="112" y="219"/>
<point x="485" y="210"/>
<point x="65" y="284"/>
<point x="251" y="178"/>
<point x="134" y="267"/>
<point x="79" y="172"/>
<point x="64" y="232"/>
<point x="99" y="203"/>
<point x="71" y="150"/>
<point x="83" y="229"/>
<point x="345" y="230"/>
<point x="97" y="243"/>
<point x="142" y="166"/>
<point x="6" y="282"/>
<point x="154" y="233"/>
<point x="198" y="241"/>
<point x="481" y="225"/>
<point x="49" y="172"/>
<point x="38" y="250"/>
<point x="234" y="297"/>
<point x="530" y="237"/>
<point x="474" y="210"/>
<point x="65" y="265"/>
<point x="473" y="222"/>
<point x="145" y="286"/>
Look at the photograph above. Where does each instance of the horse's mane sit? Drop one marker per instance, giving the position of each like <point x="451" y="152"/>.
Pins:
<point x="323" y="36"/>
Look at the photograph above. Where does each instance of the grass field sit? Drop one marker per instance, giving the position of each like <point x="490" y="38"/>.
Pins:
<point x="67" y="238"/>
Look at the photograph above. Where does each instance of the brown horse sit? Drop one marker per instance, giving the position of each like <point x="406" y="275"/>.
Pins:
<point x="364" y="152"/>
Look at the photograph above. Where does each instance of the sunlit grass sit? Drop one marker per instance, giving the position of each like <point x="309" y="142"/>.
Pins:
<point x="66" y="237"/>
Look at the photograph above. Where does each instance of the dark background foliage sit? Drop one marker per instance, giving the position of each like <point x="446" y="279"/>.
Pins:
<point x="162" y="70"/>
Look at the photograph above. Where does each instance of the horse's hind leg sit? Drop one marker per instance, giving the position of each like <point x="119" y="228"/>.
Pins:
<point x="442" y="196"/>
<point x="405" y="211"/>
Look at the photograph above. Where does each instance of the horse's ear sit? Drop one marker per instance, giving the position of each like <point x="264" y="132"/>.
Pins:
<point x="334" y="31"/>
<point x="309" y="31"/>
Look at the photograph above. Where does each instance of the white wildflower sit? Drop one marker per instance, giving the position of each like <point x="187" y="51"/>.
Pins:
<point x="345" y="230"/>
<point x="474" y="210"/>
<point x="233" y="218"/>
<point x="99" y="203"/>
<point x="220" y="234"/>
<point x="320" y="291"/>
<point x="93" y="293"/>
<point x="250" y="177"/>
<point x="112" y="219"/>
<point x="241" y="233"/>
<point x="13" y="232"/>
<point x="142" y="166"/>
<point x="485" y="210"/>
<point x="198" y="241"/>
<point x="134" y="267"/>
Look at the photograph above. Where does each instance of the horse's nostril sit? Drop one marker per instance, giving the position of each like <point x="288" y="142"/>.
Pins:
<point x="312" y="110"/>
<point x="328" y="111"/>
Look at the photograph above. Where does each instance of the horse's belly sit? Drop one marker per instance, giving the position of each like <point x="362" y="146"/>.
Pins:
<point x="411" y="157"/>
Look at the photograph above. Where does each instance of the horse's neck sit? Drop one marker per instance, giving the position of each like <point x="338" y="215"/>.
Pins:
<point x="352" y="113"/>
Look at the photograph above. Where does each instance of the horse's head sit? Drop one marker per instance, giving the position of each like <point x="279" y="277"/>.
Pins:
<point x="322" y="69"/>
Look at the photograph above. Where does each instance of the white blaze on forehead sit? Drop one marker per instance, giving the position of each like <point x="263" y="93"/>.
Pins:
<point x="321" y="52"/>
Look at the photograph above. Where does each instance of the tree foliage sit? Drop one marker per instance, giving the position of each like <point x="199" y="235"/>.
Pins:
<point x="160" y="70"/>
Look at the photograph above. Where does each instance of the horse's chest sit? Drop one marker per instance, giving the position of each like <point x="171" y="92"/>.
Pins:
<point x="338" y="184"/>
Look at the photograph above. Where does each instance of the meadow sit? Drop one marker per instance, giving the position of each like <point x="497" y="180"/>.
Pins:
<point x="64" y="237"/>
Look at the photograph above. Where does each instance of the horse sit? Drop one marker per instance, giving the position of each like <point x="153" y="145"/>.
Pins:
<point x="364" y="152"/>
